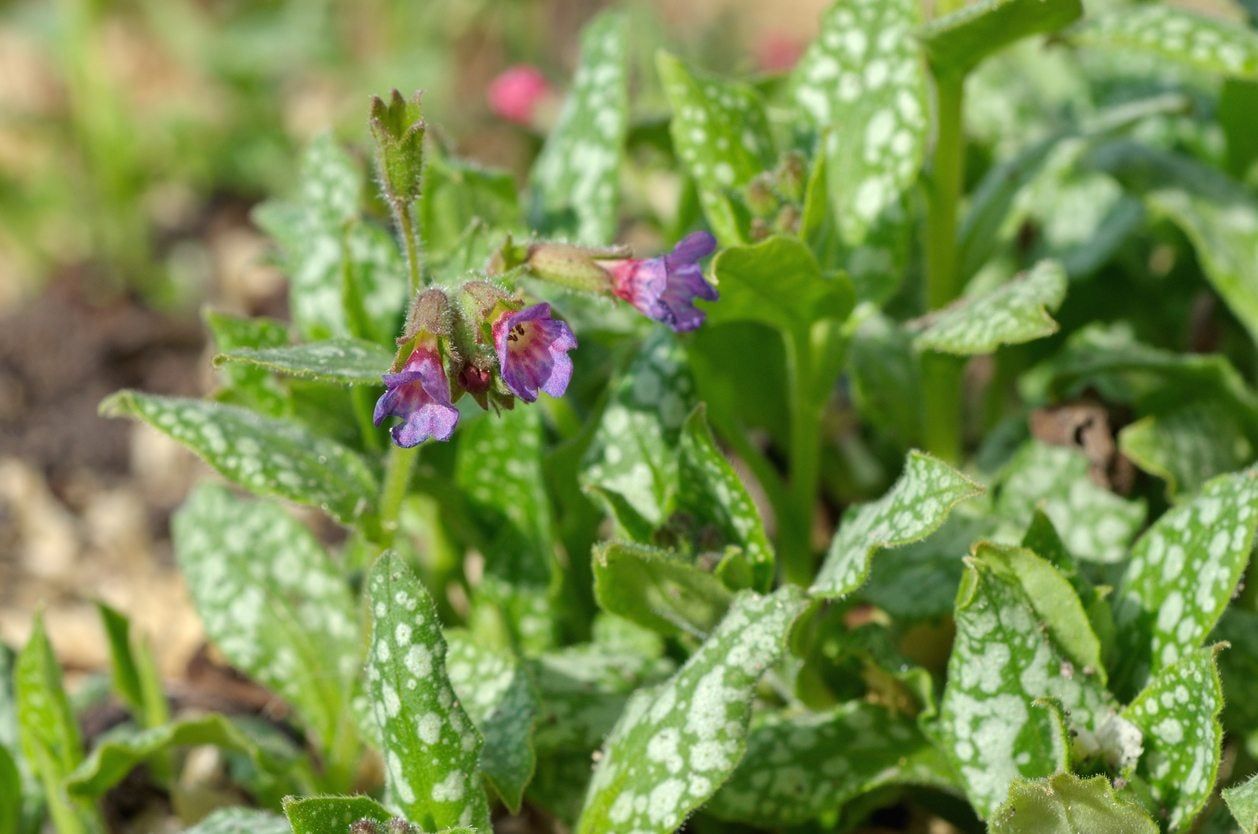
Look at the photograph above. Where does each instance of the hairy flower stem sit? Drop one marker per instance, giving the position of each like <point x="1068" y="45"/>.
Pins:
<point x="941" y="375"/>
<point x="397" y="478"/>
<point x="406" y="228"/>
<point x="795" y="531"/>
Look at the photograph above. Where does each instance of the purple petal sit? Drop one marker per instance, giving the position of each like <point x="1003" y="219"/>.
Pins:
<point x="532" y="352"/>
<point x="691" y="249"/>
<point x="419" y="393"/>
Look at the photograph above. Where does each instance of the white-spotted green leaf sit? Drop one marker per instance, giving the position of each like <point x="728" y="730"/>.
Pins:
<point x="721" y="135"/>
<point x="576" y="180"/>
<point x="675" y="744"/>
<point x="959" y="41"/>
<point x="1175" y="34"/>
<point x="243" y="384"/>
<point x="912" y="509"/>
<point x="1187" y="446"/>
<point x="664" y="591"/>
<point x="241" y="821"/>
<point x="1178" y="712"/>
<point x="339" y="361"/>
<point x="884" y="373"/>
<point x="1009" y="672"/>
<point x="800" y="767"/>
<point x="1068" y="804"/>
<point x="1181" y="574"/>
<point x="633" y="452"/>
<point x="1016" y="312"/>
<point x="1242" y="801"/>
<point x="262" y="454"/>
<point x="332" y="814"/>
<point x="271" y="601"/>
<point x="494" y="688"/>
<point x="431" y="748"/>
<point x="1095" y="524"/>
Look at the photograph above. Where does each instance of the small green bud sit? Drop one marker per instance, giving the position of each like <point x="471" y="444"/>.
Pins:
<point x="759" y="195"/>
<point x="792" y="176"/>
<point x="787" y="220"/>
<point x="574" y="267"/>
<point x="429" y="313"/>
<point x="398" y="128"/>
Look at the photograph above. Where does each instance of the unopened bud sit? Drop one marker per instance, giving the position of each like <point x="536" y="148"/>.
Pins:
<point x="429" y="313"/>
<point x="792" y="176"/>
<point x="398" y="128"/>
<point x="759" y="195"/>
<point x="787" y="220"/>
<point x="574" y="267"/>
<point x="366" y="826"/>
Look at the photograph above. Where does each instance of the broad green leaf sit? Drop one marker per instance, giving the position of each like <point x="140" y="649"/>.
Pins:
<point x="912" y="509"/>
<point x="1007" y="677"/>
<point x="272" y="602"/>
<point x="264" y="455"/>
<point x="112" y="760"/>
<point x="576" y="179"/>
<point x="133" y="669"/>
<point x="778" y="282"/>
<point x="633" y="452"/>
<point x="721" y="135"/>
<point x="1016" y="312"/>
<point x="663" y="591"/>
<point x="332" y="814"/>
<point x="431" y="748"/>
<point x="959" y="41"/>
<point x="886" y="387"/>
<point x="919" y="581"/>
<point x="1042" y="539"/>
<point x="1178" y="712"/>
<point x="1174" y="34"/>
<point x="1068" y="804"/>
<point x="800" y="767"/>
<point x="1181" y="575"/>
<point x="339" y="361"/>
<point x="710" y="490"/>
<point x="244" y="385"/>
<point x="1095" y="524"/>
<point x="1187" y="446"/>
<point x="241" y="821"/>
<point x="1242" y="801"/>
<point x="460" y="196"/>
<point x="494" y="688"/>
<point x="675" y="744"/>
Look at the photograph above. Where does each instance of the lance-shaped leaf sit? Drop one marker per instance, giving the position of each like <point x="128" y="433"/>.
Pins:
<point x="1068" y="804"/>
<point x="1242" y="801"/>
<point x="264" y="455"/>
<point x="800" y="767"/>
<point x="633" y="452"/>
<point x="332" y="814"/>
<point x="675" y="744"/>
<point x="960" y="41"/>
<point x="133" y="670"/>
<point x="10" y="793"/>
<point x="26" y="795"/>
<point x="663" y="591"/>
<point x="1187" y="446"/>
<point x="241" y="821"/>
<point x="271" y="601"/>
<point x="494" y="688"/>
<point x="1175" y="34"/>
<point x="1181" y="574"/>
<point x="1020" y="632"/>
<point x="721" y="134"/>
<point x="431" y="748"/>
<point x="243" y="384"/>
<point x="912" y="509"/>
<point x="1013" y="313"/>
<point x="339" y="361"/>
<point x="576" y="180"/>
<point x="1178" y="712"/>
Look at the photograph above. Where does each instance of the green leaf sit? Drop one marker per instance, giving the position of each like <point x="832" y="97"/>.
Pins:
<point x="1174" y="34"/>
<point x="272" y="602"/>
<point x="675" y="744"/>
<point x="27" y="796"/>
<point x="576" y="179"/>
<point x="1095" y="524"/>
<point x="920" y="580"/>
<point x="1007" y="678"/>
<point x="245" y="385"/>
<point x="800" y="767"/>
<point x="886" y="385"/>
<point x="1242" y="801"/>
<point x="778" y="282"/>
<point x="241" y="821"/>
<point x="339" y="361"/>
<point x="331" y="814"/>
<point x="633" y="452"/>
<point x="1238" y="666"/>
<point x="112" y="760"/>
<point x="264" y="455"/>
<point x="1016" y="312"/>
<point x="1068" y="804"/>
<point x="1042" y="539"/>
<point x="431" y="748"/>
<point x="660" y="590"/>
<point x="10" y="793"/>
<point x="494" y="688"/>
<point x="912" y="509"/>
<point x="1181" y="575"/>
<point x="460" y="196"/>
<point x="960" y="41"/>
<point x="721" y="135"/>
<point x="1187" y="446"/>
<point x="1178" y="712"/>
<point x="133" y="669"/>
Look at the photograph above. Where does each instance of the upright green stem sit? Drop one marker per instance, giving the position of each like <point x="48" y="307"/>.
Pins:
<point x="795" y="532"/>
<point x="397" y="478"/>
<point x="941" y="375"/>
<point x="406" y="226"/>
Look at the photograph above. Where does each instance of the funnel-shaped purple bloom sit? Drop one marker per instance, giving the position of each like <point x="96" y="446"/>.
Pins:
<point x="665" y="287"/>
<point x="533" y="352"/>
<point x="419" y="393"/>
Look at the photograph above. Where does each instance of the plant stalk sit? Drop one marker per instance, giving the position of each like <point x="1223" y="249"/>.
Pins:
<point x="795" y="531"/>
<point x="397" y="478"/>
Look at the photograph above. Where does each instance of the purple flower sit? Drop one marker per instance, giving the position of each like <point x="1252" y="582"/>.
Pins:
<point x="665" y="287"/>
<point x="533" y="352"/>
<point x="419" y="393"/>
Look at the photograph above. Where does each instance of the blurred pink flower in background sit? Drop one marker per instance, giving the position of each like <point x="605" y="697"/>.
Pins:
<point x="515" y="92"/>
<point x="778" y="52"/>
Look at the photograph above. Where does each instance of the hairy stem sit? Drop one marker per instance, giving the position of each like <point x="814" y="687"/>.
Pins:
<point x="397" y="478"/>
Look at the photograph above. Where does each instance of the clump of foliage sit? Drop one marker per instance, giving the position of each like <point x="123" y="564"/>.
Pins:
<point x="597" y="587"/>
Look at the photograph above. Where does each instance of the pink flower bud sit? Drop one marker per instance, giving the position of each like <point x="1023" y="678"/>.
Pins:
<point x="515" y="92"/>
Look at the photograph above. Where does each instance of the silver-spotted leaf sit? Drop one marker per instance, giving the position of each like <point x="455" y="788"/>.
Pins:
<point x="1068" y="804"/>
<point x="339" y="361"/>
<point x="244" y="384"/>
<point x="1175" y="34"/>
<point x="1187" y="445"/>
<point x="241" y="821"/>
<point x="1242" y="801"/>
<point x="959" y="41"/>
